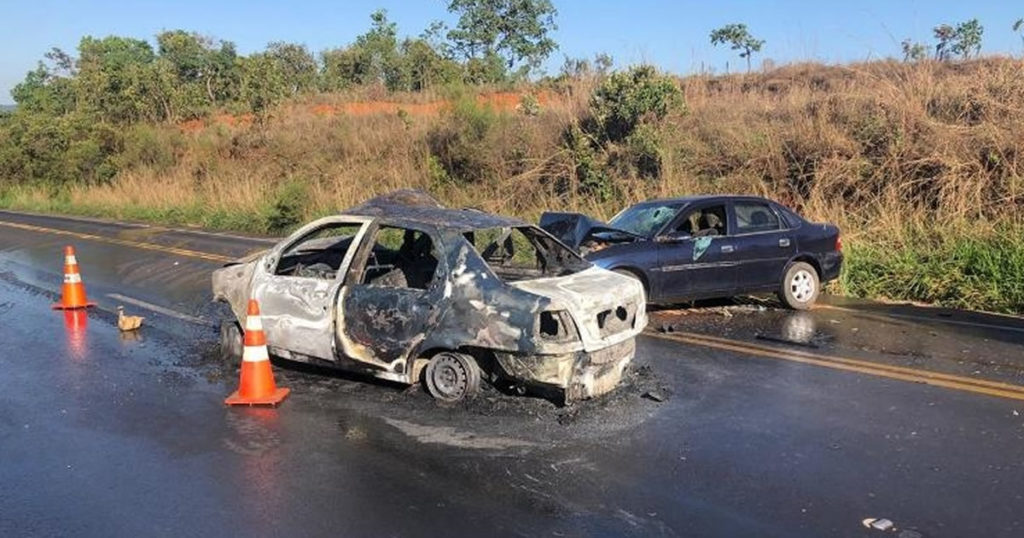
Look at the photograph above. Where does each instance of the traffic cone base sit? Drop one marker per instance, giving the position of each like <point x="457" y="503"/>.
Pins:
<point x="256" y="381"/>
<point x="273" y="399"/>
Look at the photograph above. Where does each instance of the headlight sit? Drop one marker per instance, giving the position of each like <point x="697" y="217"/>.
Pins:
<point x="556" y="326"/>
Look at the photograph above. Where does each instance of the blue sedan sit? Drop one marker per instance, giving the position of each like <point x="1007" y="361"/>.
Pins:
<point x="699" y="247"/>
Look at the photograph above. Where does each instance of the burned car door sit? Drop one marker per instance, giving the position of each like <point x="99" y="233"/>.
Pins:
<point x="696" y="255"/>
<point x="296" y="284"/>
<point x="392" y="296"/>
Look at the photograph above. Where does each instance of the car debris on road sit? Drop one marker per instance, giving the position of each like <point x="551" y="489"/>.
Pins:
<point x="403" y="289"/>
<point x="127" y="323"/>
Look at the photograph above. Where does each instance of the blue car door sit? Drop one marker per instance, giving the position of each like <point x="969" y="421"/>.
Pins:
<point x="763" y="245"/>
<point x="697" y="257"/>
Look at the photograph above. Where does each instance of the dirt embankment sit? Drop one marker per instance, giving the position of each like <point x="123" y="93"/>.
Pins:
<point x="500" y="101"/>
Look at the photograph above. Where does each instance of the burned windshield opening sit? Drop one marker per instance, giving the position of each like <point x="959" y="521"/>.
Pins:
<point x="523" y="253"/>
<point x="645" y="219"/>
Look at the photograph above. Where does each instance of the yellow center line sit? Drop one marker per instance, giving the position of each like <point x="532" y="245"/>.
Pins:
<point x="122" y="242"/>
<point x="979" y="386"/>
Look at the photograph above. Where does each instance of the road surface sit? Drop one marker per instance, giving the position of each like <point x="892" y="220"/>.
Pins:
<point x="770" y="423"/>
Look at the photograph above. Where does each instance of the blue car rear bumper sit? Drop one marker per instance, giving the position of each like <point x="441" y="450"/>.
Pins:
<point x="831" y="264"/>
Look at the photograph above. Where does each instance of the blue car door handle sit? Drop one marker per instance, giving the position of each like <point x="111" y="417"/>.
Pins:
<point x="727" y="248"/>
<point x="784" y="242"/>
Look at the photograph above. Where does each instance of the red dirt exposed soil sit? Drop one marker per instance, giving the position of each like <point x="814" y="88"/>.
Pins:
<point x="502" y="101"/>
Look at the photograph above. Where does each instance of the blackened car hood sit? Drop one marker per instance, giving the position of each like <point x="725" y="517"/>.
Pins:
<point x="574" y="229"/>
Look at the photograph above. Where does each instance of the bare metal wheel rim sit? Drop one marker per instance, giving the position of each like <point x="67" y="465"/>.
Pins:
<point x="801" y="286"/>
<point x="230" y="341"/>
<point x="450" y="377"/>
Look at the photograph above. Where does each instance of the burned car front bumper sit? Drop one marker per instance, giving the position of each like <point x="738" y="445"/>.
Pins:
<point x="570" y="376"/>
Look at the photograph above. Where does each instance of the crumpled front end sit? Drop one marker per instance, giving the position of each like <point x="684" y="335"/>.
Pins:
<point x="571" y="376"/>
<point x="231" y="284"/>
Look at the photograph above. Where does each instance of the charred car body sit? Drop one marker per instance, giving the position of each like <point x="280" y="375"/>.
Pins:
<point x="401" y="288"/>
<point x="698" y="247"/>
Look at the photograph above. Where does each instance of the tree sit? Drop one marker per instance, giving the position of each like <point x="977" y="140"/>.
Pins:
<point x="112" y="78"/>
<point x="968" y="39"/>
<point x="945" y="34"/>
<point x="372" y="59"/>
<point x="263" y="84"/>
<point x="739" y="38"/>
<point x="202" y="71"/>
<point x="517" y="31"/>
<point x="579" y="68"/>
<point x="423" y="66"/>
<point x="964" y="40"/>
<point x="1018" y="27"/>
<point x="913" y="52"/>
<point x="45" y="90"/>
<point x="296" y="63"/>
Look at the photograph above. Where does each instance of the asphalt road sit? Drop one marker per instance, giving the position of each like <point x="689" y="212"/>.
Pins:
<point x="772" y="423"/>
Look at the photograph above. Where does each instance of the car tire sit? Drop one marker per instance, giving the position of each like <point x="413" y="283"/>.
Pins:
<point x="800" y="286"/>
<point x="452" y="377"/>
<point x="230" y="341"/>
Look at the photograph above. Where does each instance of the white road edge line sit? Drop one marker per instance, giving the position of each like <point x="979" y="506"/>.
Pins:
<point x="159" y="309"/>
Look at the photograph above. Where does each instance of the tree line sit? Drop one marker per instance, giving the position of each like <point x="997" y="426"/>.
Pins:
<point x="185" y="75"/>
<point x="960" y="41"/>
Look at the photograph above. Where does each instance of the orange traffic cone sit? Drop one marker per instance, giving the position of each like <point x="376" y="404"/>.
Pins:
<point x="73" y="294"/>
<point x="256" y="386"/>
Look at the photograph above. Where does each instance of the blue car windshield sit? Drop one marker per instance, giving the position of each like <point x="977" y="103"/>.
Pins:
<point x="645" y="219"/>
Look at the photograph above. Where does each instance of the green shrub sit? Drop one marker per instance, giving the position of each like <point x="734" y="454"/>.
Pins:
<point x="529" y="105"/>
<point x="589" y="167"/>
<point x="436" y="172"/>
<point x="151" y="146"/>
<point x="645" y="152"/>
<point x="459" y="143"/>
<point x="288" y="208"/>
<point x="627" y="99"/>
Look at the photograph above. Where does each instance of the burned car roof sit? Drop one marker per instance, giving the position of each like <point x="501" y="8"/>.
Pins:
<point x="415" y="206"/>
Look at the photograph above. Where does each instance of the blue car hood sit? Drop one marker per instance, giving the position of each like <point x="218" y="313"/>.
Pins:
<point x="575" y="228"/>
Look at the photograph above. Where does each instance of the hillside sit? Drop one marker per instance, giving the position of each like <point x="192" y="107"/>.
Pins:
<point x="919" y="163"/>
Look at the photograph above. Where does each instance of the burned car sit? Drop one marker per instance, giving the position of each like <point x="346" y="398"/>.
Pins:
<point x="698" y="247"/>
<point x="403" y="289"/>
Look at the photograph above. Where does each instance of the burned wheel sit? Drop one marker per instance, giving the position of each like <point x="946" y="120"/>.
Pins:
<point x="451" y="377"/>
<point x="230" y="341"/>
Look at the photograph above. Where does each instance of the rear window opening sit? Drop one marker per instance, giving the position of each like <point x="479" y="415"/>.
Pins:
<point x="524" y="253"/>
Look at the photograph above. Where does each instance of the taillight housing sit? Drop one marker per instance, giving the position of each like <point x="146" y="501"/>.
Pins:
<point x="839" y="243"/>
<point x="556" y="326"/>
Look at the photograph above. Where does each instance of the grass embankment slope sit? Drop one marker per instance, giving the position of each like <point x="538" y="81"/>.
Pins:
<point x="922" y="165"/>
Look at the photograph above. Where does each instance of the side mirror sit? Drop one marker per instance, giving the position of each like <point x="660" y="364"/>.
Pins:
<point x="673" y="237"/>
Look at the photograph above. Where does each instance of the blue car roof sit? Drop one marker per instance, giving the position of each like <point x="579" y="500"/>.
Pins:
<point x="701" y="198"/>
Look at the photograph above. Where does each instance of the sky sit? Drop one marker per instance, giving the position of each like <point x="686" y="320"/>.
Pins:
<point x="670" y="34"/>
